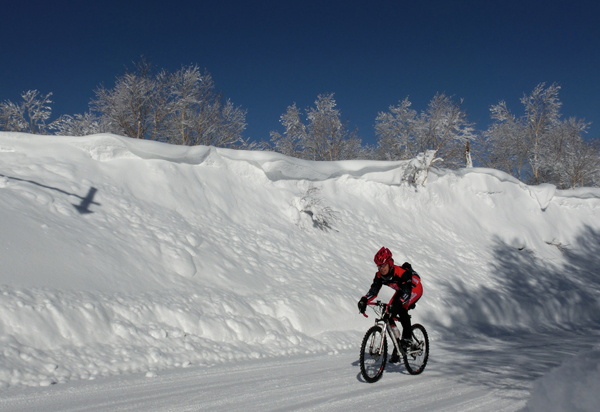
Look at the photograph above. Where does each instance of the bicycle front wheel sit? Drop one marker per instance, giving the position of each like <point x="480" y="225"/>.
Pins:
<point x="417" y="355"/>
<point x="373" y="354"/>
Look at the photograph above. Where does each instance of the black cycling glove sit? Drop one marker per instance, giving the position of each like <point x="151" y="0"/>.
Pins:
<point x="362" y="304"/>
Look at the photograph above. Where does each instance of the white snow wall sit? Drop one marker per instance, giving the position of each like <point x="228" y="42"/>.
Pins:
<point x="123" y="256"/>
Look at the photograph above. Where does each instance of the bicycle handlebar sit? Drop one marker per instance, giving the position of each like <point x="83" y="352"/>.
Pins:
<point x="378" y="303"/>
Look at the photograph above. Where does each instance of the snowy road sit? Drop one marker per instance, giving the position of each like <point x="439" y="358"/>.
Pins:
<point x="308" y="383"/>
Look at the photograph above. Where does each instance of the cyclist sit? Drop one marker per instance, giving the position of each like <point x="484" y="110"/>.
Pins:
<point x="407" y="284"/>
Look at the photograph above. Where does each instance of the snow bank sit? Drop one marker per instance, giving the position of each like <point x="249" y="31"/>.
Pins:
<point x="571" y="387"/>
<point x="123" y="256"/>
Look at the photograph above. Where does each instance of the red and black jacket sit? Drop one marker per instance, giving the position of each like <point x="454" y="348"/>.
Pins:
<point x="399" y="279"/>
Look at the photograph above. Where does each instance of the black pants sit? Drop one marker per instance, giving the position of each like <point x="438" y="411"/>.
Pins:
<point x="398" y="311"/>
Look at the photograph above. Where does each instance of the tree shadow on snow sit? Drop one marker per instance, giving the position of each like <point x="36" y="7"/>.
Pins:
<point x="536" y="317"/>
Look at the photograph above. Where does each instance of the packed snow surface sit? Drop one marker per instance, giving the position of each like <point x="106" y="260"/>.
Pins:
<point x="571" y="387"/>
<point x="124" y="258"/>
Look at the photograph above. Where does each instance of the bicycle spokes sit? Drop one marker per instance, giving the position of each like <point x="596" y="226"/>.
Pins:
<point x="373" y="354"/>
<point x="417" y="355"/>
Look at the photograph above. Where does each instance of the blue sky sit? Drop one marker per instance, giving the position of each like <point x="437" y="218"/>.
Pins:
<point x="267" y="55"/>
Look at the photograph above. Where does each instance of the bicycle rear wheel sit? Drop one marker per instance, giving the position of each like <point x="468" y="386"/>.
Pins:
<point x="415" y="358"/>
<point x="373" y="354"/>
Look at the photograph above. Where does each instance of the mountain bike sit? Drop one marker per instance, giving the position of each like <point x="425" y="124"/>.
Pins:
<point x="373" y="350"/>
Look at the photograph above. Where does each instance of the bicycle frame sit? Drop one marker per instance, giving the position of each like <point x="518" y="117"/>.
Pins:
<point x="380" y="308"/>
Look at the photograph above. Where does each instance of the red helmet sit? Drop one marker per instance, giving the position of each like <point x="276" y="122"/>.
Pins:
<point x="383" y="256"/>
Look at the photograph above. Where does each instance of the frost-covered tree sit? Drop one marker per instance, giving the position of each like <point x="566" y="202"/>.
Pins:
<point x="396" y="132"/>
<point x="77" y="125"/>
<point x="442" y="131"/>
<point x="201" y="115"/>
<point x="569" y="161"/>
<point x="29" y="116"/>
<point x="181" y="108"/>
<point x="506" y="142"/>
<point x="520" y="146"/>
<point x="293" y="140"/>
<point x="540" y="147"/>
<point x="328" y="137"/>
<point x="162" y="106"/>
<point x="447" y="131"/>
<point x="8" y="120"/>
<point x="188" y="88"/>
<point x="542" y="111"/>
<point x="127" y="108"/>
<point x="324" y="136"/>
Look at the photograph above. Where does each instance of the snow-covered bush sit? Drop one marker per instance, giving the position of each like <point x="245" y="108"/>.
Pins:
<point x="311" y="204"/>
<point x="418" y="168"/>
